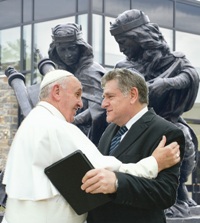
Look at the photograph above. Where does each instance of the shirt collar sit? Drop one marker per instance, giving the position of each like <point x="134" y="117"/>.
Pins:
<point x="136" y="117"/>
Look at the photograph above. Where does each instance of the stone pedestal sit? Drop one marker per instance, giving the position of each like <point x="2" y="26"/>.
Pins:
<point x="194" y="218"/>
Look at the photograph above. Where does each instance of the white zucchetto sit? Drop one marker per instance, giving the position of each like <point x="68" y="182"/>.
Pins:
<point x="54" y="75"/>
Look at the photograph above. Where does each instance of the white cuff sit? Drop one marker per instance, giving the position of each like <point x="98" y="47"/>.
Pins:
<point x="146" y="167"/>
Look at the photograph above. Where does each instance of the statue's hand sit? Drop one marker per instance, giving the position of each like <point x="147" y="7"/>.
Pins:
<point x="158" y="86"/>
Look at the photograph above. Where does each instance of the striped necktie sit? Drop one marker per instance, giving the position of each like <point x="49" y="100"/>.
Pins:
<point x="116" y="139"/>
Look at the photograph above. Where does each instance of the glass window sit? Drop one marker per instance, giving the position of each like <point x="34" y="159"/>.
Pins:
<point x="9" y="49"/>
<point x="159" y="11"/>
<point x="187" y="18"/>
<point x="115" y="7"/>
<point x="168" y="35"/>
<point x="97" y="40"/>
<point x="98" y="5"/>
<point x="10" y="12"/>
<point x="26" y="65"/>
<point x="83" y="21"/>
<point x="112" y="52"/>
<point x="50" y="8"/>
<point x="27" y="10"/>
<point x="189" y="44"/>
<point x="83" y="5"/>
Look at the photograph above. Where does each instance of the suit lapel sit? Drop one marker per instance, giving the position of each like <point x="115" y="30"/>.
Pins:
<point x="134" y="133"/>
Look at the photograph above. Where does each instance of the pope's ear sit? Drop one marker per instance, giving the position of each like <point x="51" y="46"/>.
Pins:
<point x="56" y="92"/>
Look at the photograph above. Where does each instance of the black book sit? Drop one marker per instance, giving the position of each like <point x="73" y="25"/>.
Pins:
<point x="66" y="175"/>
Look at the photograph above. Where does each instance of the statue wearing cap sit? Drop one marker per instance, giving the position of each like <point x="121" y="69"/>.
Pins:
<point x="70" y="52"/>
<point x="173" y="85"/>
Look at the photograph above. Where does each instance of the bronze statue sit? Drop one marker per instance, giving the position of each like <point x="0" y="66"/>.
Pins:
<point x="173" y="85"/>
<point x="71" y="52"/>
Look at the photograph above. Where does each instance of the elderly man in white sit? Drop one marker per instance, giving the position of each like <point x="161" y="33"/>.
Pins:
<point x="47" y="135"/>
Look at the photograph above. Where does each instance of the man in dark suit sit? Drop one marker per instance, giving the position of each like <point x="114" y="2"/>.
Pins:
<point x="135" y="199"/>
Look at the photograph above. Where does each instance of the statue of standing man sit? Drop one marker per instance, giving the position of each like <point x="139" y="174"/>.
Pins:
<point x="70" y="52"/>
<point x="173" y="85"/>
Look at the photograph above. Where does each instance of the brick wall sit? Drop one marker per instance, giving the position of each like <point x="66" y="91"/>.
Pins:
<point x="8" y="118"/>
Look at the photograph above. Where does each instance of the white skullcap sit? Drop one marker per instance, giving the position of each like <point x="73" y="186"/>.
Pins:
<point x="53" y="76"/>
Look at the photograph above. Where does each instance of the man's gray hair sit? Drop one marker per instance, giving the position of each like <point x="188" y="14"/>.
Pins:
<point x="127" y="79"/>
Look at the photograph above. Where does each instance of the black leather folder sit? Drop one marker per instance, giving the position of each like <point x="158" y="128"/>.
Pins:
<point x="66" y="175"/>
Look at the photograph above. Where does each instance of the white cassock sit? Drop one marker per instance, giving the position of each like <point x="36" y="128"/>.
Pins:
<point x="43" y="138"/>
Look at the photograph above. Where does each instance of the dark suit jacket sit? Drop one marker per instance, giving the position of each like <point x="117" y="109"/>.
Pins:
<point x="138" y="199"/>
